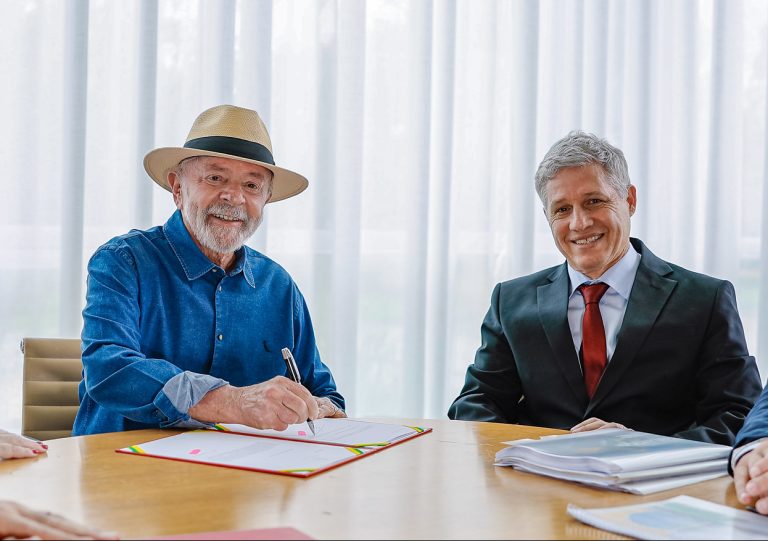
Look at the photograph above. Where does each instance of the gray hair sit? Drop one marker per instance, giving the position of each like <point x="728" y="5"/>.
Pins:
<point x="578" y="149"/>
<point x="181" y="169"/>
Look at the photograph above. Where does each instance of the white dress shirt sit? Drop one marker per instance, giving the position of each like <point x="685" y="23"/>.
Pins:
<point x="620" y="278"/>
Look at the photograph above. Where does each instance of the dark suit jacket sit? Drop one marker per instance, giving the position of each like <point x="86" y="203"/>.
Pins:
<point x="681" y="365"/>
<point x="756" y="424"/>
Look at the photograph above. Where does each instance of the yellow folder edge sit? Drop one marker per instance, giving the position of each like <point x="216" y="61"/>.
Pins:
<point x="416" y="429"/>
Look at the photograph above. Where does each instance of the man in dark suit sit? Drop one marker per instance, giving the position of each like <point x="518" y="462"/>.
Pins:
<point x="749" y="459"/>
<point x="655" y="347"/>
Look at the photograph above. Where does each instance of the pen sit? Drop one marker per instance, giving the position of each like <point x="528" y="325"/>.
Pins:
<point x="293" y="372"/>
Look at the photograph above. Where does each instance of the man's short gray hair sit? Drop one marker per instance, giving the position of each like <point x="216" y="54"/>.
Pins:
<point x="181" y="167"/>
<point x="578" y="149"/>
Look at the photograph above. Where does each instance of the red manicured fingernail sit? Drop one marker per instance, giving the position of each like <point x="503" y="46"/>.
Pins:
<point x="44" y="446"/>
<point x="37" y="451"/>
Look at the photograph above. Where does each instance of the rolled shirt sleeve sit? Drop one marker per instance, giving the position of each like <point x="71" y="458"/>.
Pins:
<point x="187" y="389"/>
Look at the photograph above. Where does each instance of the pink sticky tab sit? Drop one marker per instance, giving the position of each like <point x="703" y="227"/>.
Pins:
<point x="194" y="452"/>
<point x="302" y="433"/>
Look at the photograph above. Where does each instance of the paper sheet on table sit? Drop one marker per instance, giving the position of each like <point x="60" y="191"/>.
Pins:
<point x="346" y="432"/>
<point x="247" y="452"/>
<point x="682" y="517"/>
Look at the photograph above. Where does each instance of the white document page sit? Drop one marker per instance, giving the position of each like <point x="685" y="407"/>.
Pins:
<point x="682" y="517"/>
<point x="347" y="432"/>
<point x="234" y="450"/>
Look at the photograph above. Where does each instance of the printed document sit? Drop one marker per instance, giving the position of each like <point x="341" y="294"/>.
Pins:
<point x="682" y="517"/>
<point x="293" y="452"/>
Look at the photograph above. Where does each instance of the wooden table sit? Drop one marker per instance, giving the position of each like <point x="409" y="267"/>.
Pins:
<point x="438" y="486"/>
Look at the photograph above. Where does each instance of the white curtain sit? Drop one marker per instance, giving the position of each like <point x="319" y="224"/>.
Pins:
<point x="419" y="125"/>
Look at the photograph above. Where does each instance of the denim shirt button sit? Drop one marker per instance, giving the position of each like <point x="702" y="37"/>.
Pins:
<point x="220" y="337"/>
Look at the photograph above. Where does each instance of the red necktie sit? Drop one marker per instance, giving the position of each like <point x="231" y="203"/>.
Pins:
<point x="593" y="352"/>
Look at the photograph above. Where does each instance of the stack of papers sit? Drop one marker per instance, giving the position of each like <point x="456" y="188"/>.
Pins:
<point x="624" y="460"/>
<point x="295" y="451"/>
<point x="682" y="517"/>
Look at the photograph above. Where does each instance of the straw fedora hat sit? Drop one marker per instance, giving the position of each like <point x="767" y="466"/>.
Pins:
<point x="231" y="132"/>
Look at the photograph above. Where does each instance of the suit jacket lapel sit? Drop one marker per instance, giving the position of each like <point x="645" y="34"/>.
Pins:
<point x="552" y="299"/>
<point x="648" y="297"/>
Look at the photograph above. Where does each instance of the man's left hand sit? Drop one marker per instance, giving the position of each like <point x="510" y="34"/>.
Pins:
<point x="593" y="423"/>
<point x="328" y="408"/>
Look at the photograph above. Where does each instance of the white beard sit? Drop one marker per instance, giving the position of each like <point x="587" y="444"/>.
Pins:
<point x="222" y="240"/>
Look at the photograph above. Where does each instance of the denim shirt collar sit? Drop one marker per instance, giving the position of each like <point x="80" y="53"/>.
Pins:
<point x="192" y="260"/>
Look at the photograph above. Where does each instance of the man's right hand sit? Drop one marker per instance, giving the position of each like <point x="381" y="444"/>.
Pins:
<point x="274" y="404"/>
<point x="750" y="477"/>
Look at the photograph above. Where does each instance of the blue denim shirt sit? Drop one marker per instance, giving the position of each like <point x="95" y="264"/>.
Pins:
<point x="162" y="322"/>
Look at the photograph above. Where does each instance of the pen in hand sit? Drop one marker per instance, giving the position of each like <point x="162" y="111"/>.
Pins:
<point x="293" y="373"/>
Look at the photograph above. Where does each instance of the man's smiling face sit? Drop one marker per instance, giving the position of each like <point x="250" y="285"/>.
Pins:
<point x="588" y="219"/>
<point x="222" y="202"/>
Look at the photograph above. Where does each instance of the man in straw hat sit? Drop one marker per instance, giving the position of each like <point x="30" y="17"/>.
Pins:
<point x="184" y="324"/>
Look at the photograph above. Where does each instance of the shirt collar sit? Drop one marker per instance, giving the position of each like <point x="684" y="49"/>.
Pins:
<point x="192" y="260"/>
<point x="619" y="277"/>
<point x="242" y="264"/>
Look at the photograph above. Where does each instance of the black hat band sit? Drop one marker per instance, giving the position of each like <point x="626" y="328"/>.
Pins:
<point x="233" y="146"/>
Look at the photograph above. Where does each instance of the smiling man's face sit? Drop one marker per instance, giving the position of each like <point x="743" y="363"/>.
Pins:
<point x="588" y="219"/>
<point x="222" y="202"/>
